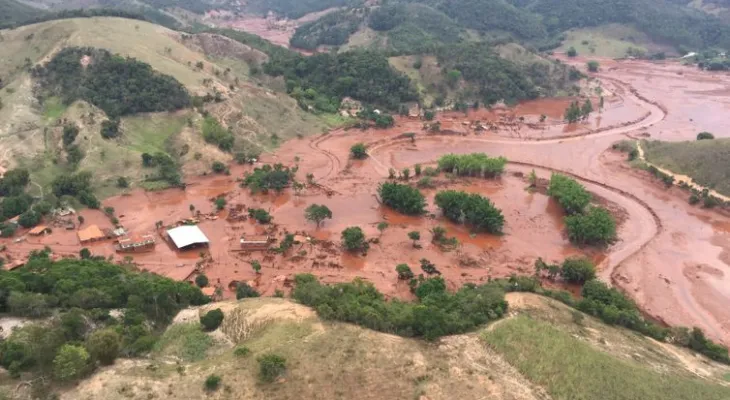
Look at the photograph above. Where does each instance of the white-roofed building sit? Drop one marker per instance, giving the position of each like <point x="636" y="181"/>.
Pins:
<point x="187" y="236"/>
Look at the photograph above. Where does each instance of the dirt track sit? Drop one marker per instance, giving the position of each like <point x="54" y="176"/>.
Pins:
<point x="672" y="258"/>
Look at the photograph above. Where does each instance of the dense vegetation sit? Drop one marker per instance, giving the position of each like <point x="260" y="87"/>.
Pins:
<point x="296" y="8"/>
<point x="76" y="185"/>
<point x="475" y="164"/>
<point x="325" y="78"/>
<point x="333" y="29"/>
<point x="474" y="210"/>
<point x="586" y="225"/>
<point x="436" y="312"/>
<point x="571" y="195"/>
<point x="267" y="177"/>
<point x="117" y="85"/>
<point x="78" y="295"/>
<point x="12" y="11"/>
<point x="402" y="198"/>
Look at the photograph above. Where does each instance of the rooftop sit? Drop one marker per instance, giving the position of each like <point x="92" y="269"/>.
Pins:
<point x="187" y="235"/>
<point x="92" y="232"/>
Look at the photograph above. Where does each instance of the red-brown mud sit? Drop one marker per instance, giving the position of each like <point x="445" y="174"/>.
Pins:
<point x="673" y="259"/>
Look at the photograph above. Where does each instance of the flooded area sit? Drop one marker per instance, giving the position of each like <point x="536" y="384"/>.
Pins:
<point x="673" y="259"/>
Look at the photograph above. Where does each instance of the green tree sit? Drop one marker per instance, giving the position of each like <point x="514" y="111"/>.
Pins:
<point x="212" y="319"/>
<point x="571" y="195"/>
<point x="104" y="345"/>
<point x="271" y="366"/>
<point x="402" y="198"/>
<point x="573" y="113"/>
<point x="417" y="169"/>
<point x="471" y="209"/>
<point x="404" y="272"/>
<point x="201" y="280"/>
<point x="577" y="270"/>
<point x="212" y="382"/>
<point x="317" y="213"/>
<point x="406" y="174"/>
<point x="415" y="236"/>
<point x="122" y="182"/>
<point x="29" y="219"/>
<point x="85" y="254"/>
<point x="587" y="109"/>
<point x="572" y="52"/>
<point x="593" y="66"/>
<point x="353" y="239"/>
<point x="359" y="151"/>
<point x="705" y="136"/>
<point x="8" y="230"/>
<point x="220" y="203"/>
<point x="70" y="132"/>
<point x="110" y="129"/>
<point x="596" y="227"/>
<point x="218" y="167"/>
<point x="256" y="266"/>
<point x="70" y="362"/>
<point x="260" y="215"/>
<point x="429" y="115"/>
<point x="244" y="290"/>
<point x="453" y="77"/>
<point x="382" y="226"/>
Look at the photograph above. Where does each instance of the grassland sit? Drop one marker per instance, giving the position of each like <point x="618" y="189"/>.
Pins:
<point x="569" y="368"/>
<point x="611" y="40"/>
<point x="707" y="162"/>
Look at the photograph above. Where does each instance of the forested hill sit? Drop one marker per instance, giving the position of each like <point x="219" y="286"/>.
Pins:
<point x="12" y="11"/>
<point x="412" y="25"/>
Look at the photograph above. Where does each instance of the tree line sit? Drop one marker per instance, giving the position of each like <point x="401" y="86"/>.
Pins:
<point x="75" y="296"/>
<point x="586" y="224"/>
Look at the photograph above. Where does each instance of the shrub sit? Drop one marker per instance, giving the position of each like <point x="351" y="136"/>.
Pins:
<point x="244" y="290"/>
<point x="212" y="319"/>
<point x="241" y="351"/>
<point x="214" y="133"/>
<point x="7" y="230"/>
<point x="475" y="164"/>
<point x="260" y="215"/>
<point x="571" y="195"/>
<point x="694" y="199"/>
<point x="417" y="169"/>
<point x="122" y="182"/>
<point x="429" y="267"/>
<point x="359" y="151"/>
<point x="104" y="345"/>
<point x="70" y="362"/>
<point x="271" y="366"/>
<point x="415" y="236"/>
<point x="218" y="167"/>
<point x="430" y="171"/>
<point x="353" y="239"/>
<point x="708" y="201"/>
<point x="404" y="271"/>
<point x="577" y="270"/>
<point x="425" y="183"/>
<point x="705" y="136"/>
<point x="572" y="52"/>
<point x="472" y="209"/>
<point x="220" y="203"/>
<point x="596" y="227"/>
<point x="201" y="280"/>
<point x="212" y="383"/>
<point x="402" y="198"/>
<point x="110" y="129"/>
<point x="29" y="219"/>
<point x="593" y="66"/>
<point x="428" y="115"/>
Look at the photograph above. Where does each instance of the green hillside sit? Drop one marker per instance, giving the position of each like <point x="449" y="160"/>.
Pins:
<point x="13" y="11"/>
<point x="707" y="162"/>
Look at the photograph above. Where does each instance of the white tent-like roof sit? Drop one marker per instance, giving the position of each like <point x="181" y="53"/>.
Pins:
<point x="187" y="235"/>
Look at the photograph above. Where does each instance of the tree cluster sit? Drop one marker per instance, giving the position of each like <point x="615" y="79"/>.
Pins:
<point x="76" y="296"/>
<point x="402" y="198"/>
<point x="363" y="75"/>
<point x="573" y="270"/>
<point x="168" y="169"/>
<point x="571" y="195"/>
<point x="119" y="86"/>
<point x="586" y="225"/>
<point x="333" y="29"/>
<point x="436" y="312"/>
<point x="268" y="177"/>
<point x="474" y="210"/>
<point x="76" y="185"/>
<point x="576" y="112"/>
<point x="353" y="239"/>
<point x="215" y="133"/>
<point x="474" y="164"/>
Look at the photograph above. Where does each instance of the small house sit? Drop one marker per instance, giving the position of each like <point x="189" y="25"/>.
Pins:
<point x="135" y="244"/>
<point x="254" y="243"/>
<point x="90" y="234"/>
<point x="39" y="230"/>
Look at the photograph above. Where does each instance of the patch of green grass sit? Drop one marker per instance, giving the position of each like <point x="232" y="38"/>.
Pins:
<point x="149" y="133"/>
<point x="186" y="341"/>
<point x="153" y="186"/>
<point x="569" y="368"/>
<point x="707" y="162"/>
<point x="53" y="108"/>
<point x="612" y="40"/>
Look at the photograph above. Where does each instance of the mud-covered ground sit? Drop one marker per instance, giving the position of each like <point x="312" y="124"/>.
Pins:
<point x="672" y="258"/>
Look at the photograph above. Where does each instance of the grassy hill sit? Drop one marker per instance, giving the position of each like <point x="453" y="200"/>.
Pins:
<point x="707" y="162"/>
<point x="204" y="64"/>
<point x="542" y="350"/>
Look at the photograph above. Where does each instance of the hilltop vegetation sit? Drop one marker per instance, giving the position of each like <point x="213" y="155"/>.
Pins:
<point x="119" y="86"/>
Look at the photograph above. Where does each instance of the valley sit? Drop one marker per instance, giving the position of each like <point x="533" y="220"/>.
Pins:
<point x="490" y="199"/>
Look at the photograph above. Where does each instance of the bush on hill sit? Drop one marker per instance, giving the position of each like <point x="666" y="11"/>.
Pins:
<point x="435" y="314"/>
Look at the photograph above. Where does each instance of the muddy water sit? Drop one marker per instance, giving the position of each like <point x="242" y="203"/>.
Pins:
<point x="673" y="259"/>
